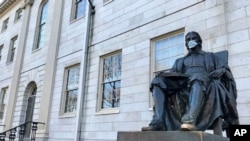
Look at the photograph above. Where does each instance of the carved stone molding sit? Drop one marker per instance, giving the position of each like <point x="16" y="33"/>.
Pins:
<point x="5" y="5"/>
<point x="28" y="2"/>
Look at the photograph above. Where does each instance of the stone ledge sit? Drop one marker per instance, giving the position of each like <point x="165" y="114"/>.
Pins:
<point x="168" y="136"/>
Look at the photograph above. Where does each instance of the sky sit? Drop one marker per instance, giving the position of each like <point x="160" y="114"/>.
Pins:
<point x="1" y="1"/>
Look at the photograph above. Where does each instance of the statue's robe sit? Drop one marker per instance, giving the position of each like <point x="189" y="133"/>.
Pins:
<point x="219" y="100"/>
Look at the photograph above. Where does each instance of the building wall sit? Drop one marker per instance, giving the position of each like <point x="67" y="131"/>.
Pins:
<point x="35" y="75"/>
<point x="71" y="43"/>
<point x="35" y="65"/>
<point x="32" y="70"/>
<point x="7" y="69"/>
<point x="38" y="66"/>
<point x="127" y="26"/>
<point x="238" y="40"/>
<point x="130" y="26"/>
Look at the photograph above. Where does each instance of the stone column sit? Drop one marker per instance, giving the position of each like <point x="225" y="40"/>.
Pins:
<point x="54" y="28"/>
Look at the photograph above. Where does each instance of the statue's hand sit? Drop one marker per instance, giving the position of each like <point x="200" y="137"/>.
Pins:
<point x="217" y="73"/>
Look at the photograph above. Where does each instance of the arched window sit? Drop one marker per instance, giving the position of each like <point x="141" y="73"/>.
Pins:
<point x="41" y="25"/>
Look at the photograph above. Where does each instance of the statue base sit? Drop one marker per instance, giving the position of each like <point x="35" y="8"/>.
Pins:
<point x="169" y="136"/>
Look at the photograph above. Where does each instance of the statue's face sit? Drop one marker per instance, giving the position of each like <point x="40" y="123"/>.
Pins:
<point x="192" y="40"/>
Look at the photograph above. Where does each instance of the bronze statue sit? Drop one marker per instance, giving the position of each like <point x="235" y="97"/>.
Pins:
<point x="199" y="90"/>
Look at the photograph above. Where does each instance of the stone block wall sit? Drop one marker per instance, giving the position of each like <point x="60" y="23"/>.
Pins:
<point x="130" y="26"/>
<point x="7" y="69"/>
<point x="71" y="42"/>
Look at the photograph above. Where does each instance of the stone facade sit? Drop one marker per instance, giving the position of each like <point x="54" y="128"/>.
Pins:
<point x="128" y="26"/>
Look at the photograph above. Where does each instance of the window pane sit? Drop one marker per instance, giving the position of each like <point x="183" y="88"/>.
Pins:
<point x="41" y="36"/>
<point x="71" y="91"/>
<point x="2" y="102"/>
<point x="1" y="48"/>
<point x="162" y="54"/>
<point x="112" y="68"/>
<point x="71" y="101"/>
<point x="167" y="50"/>
<point x="5" y="24"/>
<point x="41" y="27"/>
<point x="111" y="94"/>
<point x="107" y="92"/>
<point x="73" y="78"/>
<point x="12" y="55"/>
<point x="18" y="14"/>
<point x="12" y="49"/>
<point x="14" y="43"/>
<point x="79" y="8"/>
<point x="111" y="81"/>
<point x="44" y="13"/>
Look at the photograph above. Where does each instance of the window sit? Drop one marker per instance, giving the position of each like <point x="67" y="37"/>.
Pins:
<point x="166" y="50"/>
<point x="1" y="48"/>
<point x="13" y="46"/>
<point x="71" y="89"/>
<point x="2" y="102"/>
<point x="5" y="24"/>
<point x="18" y="14"/>
<point x="41" y="26"/>
<point x="78" y="9"/>
<point x="111" y="81"/>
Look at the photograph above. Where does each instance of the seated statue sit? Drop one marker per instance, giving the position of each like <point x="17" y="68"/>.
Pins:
<point x="199" y="90"/>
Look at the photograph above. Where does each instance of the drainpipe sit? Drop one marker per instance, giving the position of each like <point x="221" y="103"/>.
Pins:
<point x="92" y="7"/>
<point x="225" y="22"/>
<point x="90" y="11"/>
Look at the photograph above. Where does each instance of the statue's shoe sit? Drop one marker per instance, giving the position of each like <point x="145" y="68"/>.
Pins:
<point x="149" y="128"/>
<point x="187" y="118"/>
<point x="187" y="127"/>
<point x="153" y="128"/>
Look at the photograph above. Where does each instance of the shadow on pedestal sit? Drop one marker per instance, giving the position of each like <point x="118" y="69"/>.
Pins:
<point x="169" y="136"/>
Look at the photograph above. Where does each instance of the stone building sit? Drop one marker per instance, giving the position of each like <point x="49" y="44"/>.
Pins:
<point x="87" y="75"/>
<point x="36" y="52"/>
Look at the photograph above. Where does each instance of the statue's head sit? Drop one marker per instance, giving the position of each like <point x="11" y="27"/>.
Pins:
<point x="193" y="40"/>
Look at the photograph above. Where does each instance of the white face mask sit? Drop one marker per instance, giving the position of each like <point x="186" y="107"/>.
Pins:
<point x="192" y="44"/>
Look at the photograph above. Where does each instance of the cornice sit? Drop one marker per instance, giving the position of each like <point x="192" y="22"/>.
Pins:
<point x="6" y="4"/>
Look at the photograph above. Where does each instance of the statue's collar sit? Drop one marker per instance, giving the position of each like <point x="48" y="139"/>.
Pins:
<point x="198" y="52"/>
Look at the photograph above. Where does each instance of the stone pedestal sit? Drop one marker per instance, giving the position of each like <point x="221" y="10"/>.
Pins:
<point x="169" y="136"/>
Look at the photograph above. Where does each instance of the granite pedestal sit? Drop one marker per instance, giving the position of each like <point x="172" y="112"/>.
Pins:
<point x="169" y="136"/>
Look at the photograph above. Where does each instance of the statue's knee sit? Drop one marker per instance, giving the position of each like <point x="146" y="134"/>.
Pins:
<point x="197" y="85"/>
<point x="157" y="90"/>
<point x="196" y="82"/>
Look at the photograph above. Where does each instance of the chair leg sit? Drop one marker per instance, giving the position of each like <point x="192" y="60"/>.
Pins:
<point x="217" y="126"/>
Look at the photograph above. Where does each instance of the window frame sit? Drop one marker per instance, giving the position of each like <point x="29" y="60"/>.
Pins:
<point x="3" y="102"/>
<point x="12" y="49"/>
<point x="18" y="14"/>
<point x="40" y="24"/>
<point x="111" y="110"/>
<point x="65" y="91"/>
<point x="74" y="9"/>
<point x="5" y="24"/>
<point x="166" y="36"/>
<point x="1" y="50"/>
